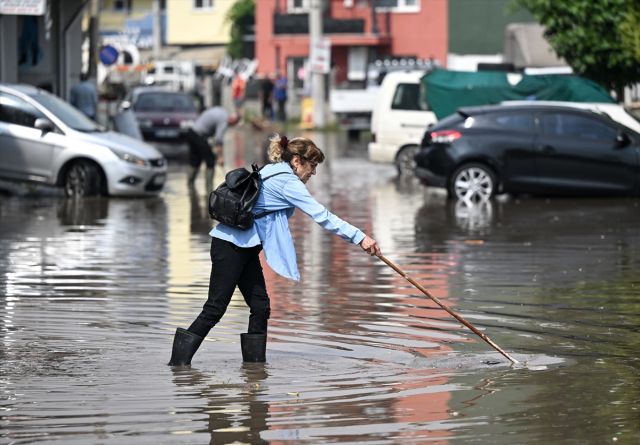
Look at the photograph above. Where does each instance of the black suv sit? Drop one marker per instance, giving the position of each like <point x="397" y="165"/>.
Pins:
<point x="534" y="149"/>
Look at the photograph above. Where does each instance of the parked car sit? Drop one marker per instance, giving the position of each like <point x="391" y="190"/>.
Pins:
<point x="162" y="115"/>
<point x="399" y="119"/>
<point x="532" y="148"/>
<point x="45" y="139"/>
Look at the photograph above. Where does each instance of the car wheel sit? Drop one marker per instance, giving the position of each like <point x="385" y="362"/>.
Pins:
<point x="406" y="160"/>
<point x="82" y="179"/>
<point x="473" y="183"/>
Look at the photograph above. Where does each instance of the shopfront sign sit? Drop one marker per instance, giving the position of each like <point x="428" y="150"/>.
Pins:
<point x="23" y="7"/>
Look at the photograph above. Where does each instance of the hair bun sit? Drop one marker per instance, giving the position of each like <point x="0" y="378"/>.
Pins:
<point x="284" y="142"/>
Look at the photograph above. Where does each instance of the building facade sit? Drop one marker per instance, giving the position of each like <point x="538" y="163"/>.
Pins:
<point x="198" y="22"/>
<point x="360" y="31"/>
<point x="43" y="50"/>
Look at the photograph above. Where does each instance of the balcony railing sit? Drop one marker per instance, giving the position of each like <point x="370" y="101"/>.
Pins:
<point x="299" y="24"/>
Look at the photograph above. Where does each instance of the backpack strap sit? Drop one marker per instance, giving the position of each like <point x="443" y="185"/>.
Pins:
<point x="271" y="176"/>
<point x="262" y="215"/>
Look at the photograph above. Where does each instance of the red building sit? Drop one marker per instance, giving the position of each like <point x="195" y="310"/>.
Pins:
<point x="360" y="31"/>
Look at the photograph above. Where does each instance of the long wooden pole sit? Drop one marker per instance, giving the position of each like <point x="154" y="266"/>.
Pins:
<point x="446" y="308"/>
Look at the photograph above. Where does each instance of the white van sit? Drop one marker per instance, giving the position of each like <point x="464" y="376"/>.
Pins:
<point x="400" y="118"/>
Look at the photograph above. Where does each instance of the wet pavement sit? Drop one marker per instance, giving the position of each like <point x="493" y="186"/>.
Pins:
<point x="91" y="292"/>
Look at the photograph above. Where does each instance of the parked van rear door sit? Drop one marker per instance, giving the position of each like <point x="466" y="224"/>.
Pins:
<point x="407" y="116"/>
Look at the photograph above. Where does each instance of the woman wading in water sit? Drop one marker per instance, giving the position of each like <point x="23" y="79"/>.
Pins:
<point x="235" y="253"/>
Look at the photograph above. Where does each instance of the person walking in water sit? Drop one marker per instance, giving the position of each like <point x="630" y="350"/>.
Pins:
<point x="280" y="95"/>
<point x="213" y="121"/>
<point x="238" y="90"/>
<point x="235" y="259"/>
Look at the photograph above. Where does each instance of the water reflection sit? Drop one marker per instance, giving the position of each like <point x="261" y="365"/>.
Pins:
<point x="91" y="292"/>
<point x="234" y="411"/>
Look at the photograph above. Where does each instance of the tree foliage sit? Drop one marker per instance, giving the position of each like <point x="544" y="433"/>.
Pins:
<point x="630" y="29"/>
<point x="241" y="16"/>
<point x="587" y="34"/>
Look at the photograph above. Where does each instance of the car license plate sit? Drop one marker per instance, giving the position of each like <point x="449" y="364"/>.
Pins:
<point x="167" y="133"/>
<point x="159" y="179"/>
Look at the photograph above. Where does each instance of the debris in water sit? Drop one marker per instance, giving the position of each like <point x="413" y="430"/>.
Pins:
<point x="536" y="368"/>
<point x="491" y="362"/>
<point x="292" y="393"/>
<point x="474" y="241"/>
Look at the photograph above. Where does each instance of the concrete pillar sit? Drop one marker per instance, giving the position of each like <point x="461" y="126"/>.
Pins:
<point x="8" y="48"/>
<point x="317" y="82"/>
<point x="157" y="30"/>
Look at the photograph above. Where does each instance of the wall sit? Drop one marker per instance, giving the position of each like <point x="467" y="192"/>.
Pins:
<point x="186" y="26"/>
<point x="59" y="53"/>
<point x="477" y="26"/>
<point x="422" y="34"/>
<point x="8" y="48"/>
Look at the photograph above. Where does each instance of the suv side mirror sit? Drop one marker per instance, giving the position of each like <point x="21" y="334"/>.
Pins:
<point x="622" y="139"/>
<point x="43" y="124"/>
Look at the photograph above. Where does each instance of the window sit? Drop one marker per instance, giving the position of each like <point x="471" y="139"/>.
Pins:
<point x="67" y="113"/>
<point x="570" y="125"/>
<point x="398" y="5"/>
<point x="14" y="110"/>
<point x="519" y="122"/>
<point x="165" y="102"/>
<point x="202" y="4"/>
<point x="122" y="4"/>
<point x="409" y="96"/>
<point x="298" y="6"/>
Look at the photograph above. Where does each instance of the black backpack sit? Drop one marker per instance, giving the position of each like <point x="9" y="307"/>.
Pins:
<point x="231" y="203"/>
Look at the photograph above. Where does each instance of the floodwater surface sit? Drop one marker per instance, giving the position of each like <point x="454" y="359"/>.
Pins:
<point x="91" y="292"/>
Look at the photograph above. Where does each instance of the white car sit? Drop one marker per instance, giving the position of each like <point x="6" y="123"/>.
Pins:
<point x="46" y="140"/>
<point x="399" y="119"/>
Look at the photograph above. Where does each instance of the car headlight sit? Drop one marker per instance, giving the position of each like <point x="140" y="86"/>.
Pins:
<point x="145" y="123"/>
<point x="186" y="123"/>
<point x="128" y="157"/>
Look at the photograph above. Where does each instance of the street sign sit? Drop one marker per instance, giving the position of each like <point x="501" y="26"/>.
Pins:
<point x="108" y="55"/>
<point x="23" y="7"/>
<point x="320" y="57"/>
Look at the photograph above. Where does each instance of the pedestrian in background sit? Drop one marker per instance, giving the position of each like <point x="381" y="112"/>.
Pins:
<point x="266" y="97"/>
<point x="280" y="95"/>
<point x="235" y="253"/>
<point x="84" y="96"/>
<point x="213" y="121"/>
<point x="238" y="89"/>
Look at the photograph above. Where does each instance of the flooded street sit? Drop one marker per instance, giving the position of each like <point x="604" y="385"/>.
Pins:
<point x="93" y="290"/>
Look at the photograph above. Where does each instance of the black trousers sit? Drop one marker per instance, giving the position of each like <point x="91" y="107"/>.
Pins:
<point x="200" y="149"/>
<point x="282" y="113"/>
<point x="233" y="266"/>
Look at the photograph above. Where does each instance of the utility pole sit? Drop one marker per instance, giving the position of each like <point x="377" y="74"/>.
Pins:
<point x="157" y="30"/>
<point x="317" y="78"/>
<point x="94" y="36"/>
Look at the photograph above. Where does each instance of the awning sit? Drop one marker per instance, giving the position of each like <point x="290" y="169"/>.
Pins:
<point x="206" y="56"/>
<point x="525" y="46"/>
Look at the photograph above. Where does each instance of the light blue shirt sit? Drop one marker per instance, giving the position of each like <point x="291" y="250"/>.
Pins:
<point x="284" y="193"/>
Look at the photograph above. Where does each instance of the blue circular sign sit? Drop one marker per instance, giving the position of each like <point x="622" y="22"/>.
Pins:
<point x="108" y="55"/>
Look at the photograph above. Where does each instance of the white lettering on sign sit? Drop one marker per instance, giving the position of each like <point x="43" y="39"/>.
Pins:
<point x="23" y="7"/>
<point x="320" y="57"/>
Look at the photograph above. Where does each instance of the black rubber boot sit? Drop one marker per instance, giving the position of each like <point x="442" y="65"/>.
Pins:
<point x="185" y="344"/>
<point x="254" y="347"/>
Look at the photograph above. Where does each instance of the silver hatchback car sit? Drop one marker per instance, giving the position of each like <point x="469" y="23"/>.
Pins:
<point x="45" y="139"/>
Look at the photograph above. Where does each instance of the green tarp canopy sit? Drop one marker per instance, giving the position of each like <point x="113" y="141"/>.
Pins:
<point x="446" y="91"/>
